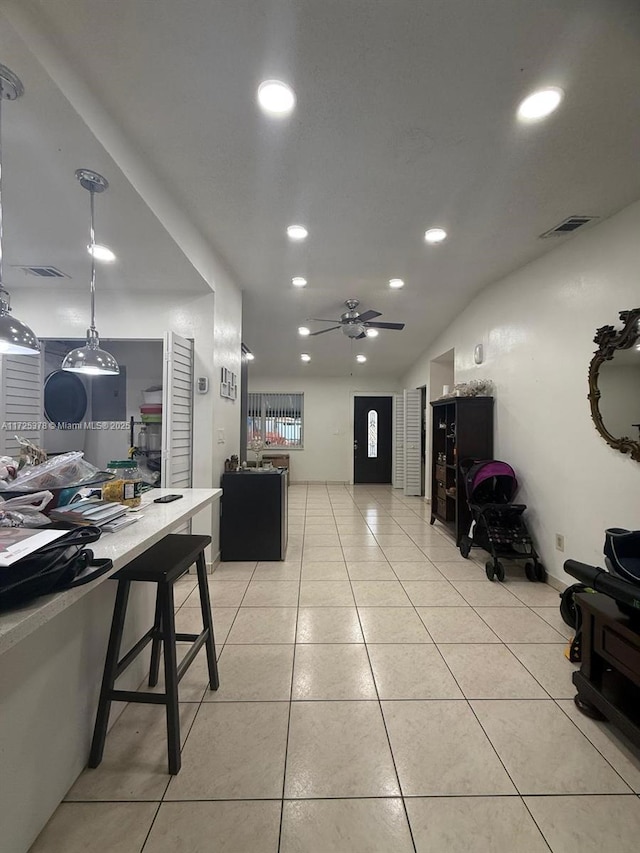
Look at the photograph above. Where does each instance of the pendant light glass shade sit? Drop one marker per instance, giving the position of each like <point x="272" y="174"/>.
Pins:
<point x="91" y="359"/>
<point x="16" y="338"/>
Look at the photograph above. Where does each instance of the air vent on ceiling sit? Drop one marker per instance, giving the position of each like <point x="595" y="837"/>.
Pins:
<point x="572" y="223"/>
<point x="42" y="271"/>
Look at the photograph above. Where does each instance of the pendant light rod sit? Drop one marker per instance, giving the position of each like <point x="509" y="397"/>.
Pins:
<point x="91" y="359"/>
<point x="93" y="183"/>
<point x="92" y="242"/>
<point x="11" y="88"/>
<point x="15" y="336"/>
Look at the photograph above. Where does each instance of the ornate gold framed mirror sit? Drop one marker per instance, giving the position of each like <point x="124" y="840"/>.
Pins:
<point x="614" y="384"/>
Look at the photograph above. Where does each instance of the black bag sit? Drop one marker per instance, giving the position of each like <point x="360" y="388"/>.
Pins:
<point x="59" y="565"/>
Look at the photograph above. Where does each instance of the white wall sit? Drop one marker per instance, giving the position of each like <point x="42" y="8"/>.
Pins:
<point x="227" y="335"/>
<point x="537" y="327"/>
<point x="328" y="423"/>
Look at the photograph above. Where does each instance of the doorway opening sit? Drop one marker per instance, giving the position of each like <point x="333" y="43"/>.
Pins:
<point x="372" y="439"/>
<point x="441" y="376"/>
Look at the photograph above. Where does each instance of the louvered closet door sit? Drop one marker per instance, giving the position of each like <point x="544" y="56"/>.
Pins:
<point x="21" y="401"/>
<point x="412" y="440"/>
<point x="177" y="413"/>
<point x="398" y="435"/>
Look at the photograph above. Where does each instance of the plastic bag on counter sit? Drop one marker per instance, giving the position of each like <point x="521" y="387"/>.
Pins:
<point x="8" y="470"/>
<point x="67" y="469"/>
<point x="25" y="511"/>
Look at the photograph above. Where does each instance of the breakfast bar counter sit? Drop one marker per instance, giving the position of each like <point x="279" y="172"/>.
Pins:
<point x="51" y="658"/>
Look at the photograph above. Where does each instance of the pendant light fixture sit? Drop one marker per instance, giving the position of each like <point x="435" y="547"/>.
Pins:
<point x="15" y="336"/>
<point x="91" y="359"/>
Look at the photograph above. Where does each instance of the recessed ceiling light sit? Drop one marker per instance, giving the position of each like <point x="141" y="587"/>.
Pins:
<point x="101" y="253"/>
<point x="305" y="357"/>
<point x="435" y="235"/>
<point x="297" y="233"/>
<point x="250" y="356"/>
<point x="396" y="283"/>
<point x="540" y="104"/>
<point x="276" y="98"/>
<point x="298" y="281"/>
<point x="372" y="333"/>
<point x="302" y="330"/>
<point x="361" y="359"/>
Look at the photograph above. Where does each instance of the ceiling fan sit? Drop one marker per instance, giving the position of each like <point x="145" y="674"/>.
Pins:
<point x="355" y="325"/>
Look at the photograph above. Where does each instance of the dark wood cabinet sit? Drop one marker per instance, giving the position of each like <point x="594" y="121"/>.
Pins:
<point x="608" y="682"/>
<point x="462" y="428"/>
<point x="253" y="520"/>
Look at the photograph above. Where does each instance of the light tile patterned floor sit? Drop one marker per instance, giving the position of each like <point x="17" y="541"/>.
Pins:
<point x="377" y="694"/>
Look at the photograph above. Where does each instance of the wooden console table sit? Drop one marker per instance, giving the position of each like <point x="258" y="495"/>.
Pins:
<point x="608" y="681"/>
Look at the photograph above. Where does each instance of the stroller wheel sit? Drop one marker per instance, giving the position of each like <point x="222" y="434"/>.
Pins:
<point x="500" y="573"/>
<point x="541" y="572"/>
<point x="489" y="570"/>
<point x="530" y="571"/>
<point x="568" y="609"/>
<point x="465" y="546"/>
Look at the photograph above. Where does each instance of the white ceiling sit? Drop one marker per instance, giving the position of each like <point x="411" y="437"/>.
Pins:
<point x="46" y="212"/>
<point x="405" y="119"/>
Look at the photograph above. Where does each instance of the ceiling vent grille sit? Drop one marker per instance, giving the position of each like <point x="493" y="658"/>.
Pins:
<point x="42" y="271"/>
<point x="568" y="226"/>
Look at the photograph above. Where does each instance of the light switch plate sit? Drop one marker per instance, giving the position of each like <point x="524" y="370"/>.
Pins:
<point x="221" y="436"/>
<point x="203" y="385"/>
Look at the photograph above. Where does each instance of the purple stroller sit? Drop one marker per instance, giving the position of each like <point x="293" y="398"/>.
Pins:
<point x="498" y="525"/>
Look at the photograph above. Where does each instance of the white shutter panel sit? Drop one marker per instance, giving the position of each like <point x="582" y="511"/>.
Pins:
<point x="412" y="438"/>
<point x="177" y="412"/>
<point x="21" y="401"/>
<point x="398" y="434"/>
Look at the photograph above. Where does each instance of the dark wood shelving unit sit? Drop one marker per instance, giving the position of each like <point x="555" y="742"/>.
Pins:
<point x="462" y="428"/>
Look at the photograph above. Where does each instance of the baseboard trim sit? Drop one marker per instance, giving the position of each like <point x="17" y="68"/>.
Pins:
<point x="318" y="482"/>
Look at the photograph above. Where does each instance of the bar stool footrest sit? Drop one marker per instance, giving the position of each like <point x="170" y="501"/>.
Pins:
<point x="188" y="659"/>
<point x="138" y="696"/>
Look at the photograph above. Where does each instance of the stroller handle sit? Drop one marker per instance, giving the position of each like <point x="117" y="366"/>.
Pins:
<point x="602" y="581"/>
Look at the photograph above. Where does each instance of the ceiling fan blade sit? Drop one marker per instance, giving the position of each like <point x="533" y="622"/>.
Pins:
<point x="322" y="331"/>
<point x="322" y="320"/>
<point x="368" y="315"/>
<point x="385" y="325"/>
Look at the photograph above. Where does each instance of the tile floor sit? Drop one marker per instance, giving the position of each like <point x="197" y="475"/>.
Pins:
<point x="377" y="694"/>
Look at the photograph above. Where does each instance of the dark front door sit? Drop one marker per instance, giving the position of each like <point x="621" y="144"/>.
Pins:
<point x="372" y="440"/>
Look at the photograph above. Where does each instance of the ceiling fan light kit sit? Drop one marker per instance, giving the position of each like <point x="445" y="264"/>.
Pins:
<point x="91" y="359"/>
<point x="16" y="337"/>
<point x="355" y="325"/>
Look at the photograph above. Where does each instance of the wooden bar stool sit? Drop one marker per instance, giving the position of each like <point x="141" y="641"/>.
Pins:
<point x="162" y="564"/>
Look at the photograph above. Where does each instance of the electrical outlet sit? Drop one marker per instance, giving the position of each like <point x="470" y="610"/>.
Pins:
<point x="559" y="542"/>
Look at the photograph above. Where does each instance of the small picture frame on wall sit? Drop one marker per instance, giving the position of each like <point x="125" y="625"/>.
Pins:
<point x="228" y="384"/>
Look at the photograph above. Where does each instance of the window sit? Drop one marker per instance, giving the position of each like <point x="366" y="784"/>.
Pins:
<point x="372" y="434"/>
<point x="277" y="419"/>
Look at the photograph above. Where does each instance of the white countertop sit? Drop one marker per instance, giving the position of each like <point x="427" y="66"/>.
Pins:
<point x="156" y="521"/>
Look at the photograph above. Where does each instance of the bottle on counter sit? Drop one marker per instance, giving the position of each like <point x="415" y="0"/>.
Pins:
<point x="126" y="488"/>
<point x="142" y="438"/>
